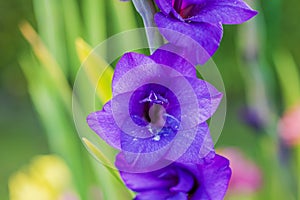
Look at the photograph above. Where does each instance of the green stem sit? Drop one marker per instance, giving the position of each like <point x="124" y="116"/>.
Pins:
<point x="147" y="11"/>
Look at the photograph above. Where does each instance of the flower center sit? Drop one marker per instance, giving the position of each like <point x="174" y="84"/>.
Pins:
<point x="177" y="5"/>
<point x="182" y="10"/>
<point x="154" y="109"/>
<point x="185" y="12"/>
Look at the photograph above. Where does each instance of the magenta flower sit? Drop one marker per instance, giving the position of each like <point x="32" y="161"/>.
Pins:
<point x="205" y="181"/>
<point x="242" y="183"/>
<point x="200" y="20"/>
<point x="289" y="126"/>
<point x="158" y="110"/>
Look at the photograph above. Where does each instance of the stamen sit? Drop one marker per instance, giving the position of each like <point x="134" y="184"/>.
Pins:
<point x="154" y="98"/>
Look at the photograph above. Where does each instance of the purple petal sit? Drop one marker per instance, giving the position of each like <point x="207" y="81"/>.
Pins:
<point x="171" y="181"/>
<point x="186" y="3"/>
<point x="222" y="11"/>
<point x="206" y="35"/>
<point x="165" y="6"/>
<point x="208" y="96"/>
<point x="188" y="146"/>
<point x="179" y="196"/>
<point x="208" y="99"/>
<point x="160" y="179"/>
<point x="169" y="58"/>
<point x="195" y="54"/>
<point x="127" y="62"/>
<point x="214" y="179"/>
<point x="192" y="147"/>
<point x="103" y="123"/>
<point x="185" y="182"/>
<point x="147" y="145"/>
<point x="150" y="181"/>
<point x="135" y="70"/>
<point x="141" y="163"/>
<point x="155" y="194"/>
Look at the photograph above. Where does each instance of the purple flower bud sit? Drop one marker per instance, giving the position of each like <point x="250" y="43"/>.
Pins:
<point x="252" y="118"/>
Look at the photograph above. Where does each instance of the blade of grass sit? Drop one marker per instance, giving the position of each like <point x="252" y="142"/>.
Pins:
<point x="102" y="158"/>
<point x="93" y="65"/>
<point x="60" y="131"/>
<point x="106" y="163"/>
<point x="124" y="19"/>
<point x="94" y="17"/>
<point x="289" y="77"/>
<point x="48" y="62"/>
<point x="73" y="26"/>
<point x="51" y="28"/>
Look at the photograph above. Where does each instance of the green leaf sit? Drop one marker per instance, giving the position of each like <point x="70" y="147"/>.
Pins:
<point x="95" y="20"/>
<point x="108" y="165"/>
<point x="48" y="63"/>
<point x="289" y="77"/>
<point x="51" y="28"/>
<point x="94" y="65"/>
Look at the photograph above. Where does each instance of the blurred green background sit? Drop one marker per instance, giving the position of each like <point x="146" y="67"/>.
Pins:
<point x="23" y="133"/>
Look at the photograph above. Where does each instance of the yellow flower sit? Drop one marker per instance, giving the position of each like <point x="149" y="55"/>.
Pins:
<point x="46" y="178"/>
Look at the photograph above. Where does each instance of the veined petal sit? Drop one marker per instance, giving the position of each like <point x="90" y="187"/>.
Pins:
<point x="127" y="62"/>
<point x="207" y="35"/>
<point x="169" y="58"/>
<point x="156" y="194"/>
<point x="208" y="96"/>
<point x="103" y="123"/>
<point x="186" y="3"/>
<point x="165" y="6"/>
<point x="151" y="181"/>
<point x="185" y="182"/>
<point x="195" y="54"/>
<point x="200" y="145"/>
<point x="214" y="179"/>
<point x="222" y="11"/>
<point x="135" y="70"/>
<point x="149" y="144"/>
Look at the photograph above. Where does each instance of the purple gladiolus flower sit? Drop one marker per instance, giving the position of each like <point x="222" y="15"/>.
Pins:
<point x="200" y="20"/>
<point x="206" y="181"/>
<point x="158" y="111"/>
